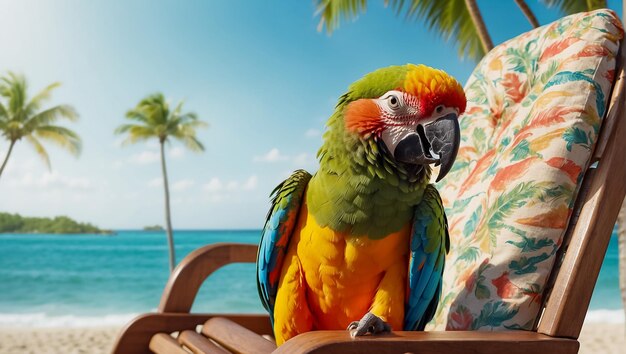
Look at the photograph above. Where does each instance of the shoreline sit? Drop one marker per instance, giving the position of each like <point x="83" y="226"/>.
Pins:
<point x="606" y="338"/>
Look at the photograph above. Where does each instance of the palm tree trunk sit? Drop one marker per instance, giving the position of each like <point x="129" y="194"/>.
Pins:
<point x="478" y="21"/>
<point x="6" y="158"/>
<point x="527" y="12"/>
<point x="168" y="219"/>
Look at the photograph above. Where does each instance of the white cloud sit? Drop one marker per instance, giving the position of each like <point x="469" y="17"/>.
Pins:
<point x="183" y="184"/>
<point x="232" y="185"/>
<point x="303" y="159"/>
<point x="214" y="185"/>
<point x="117" y="143"/>
<point x="51" y="180"/>
<point x="145" y="157"/>
<point x="250" y="183"/>
<point x="152" y="144"/>
<point x="273" y="155"/>
<point x="312" y="133"/>
<point x="152" y="156"/>
<point x="177" y="152"/>
<point x="155" y="182"/>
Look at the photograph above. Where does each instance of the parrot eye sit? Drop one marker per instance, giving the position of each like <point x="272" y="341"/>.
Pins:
<point x="439" y="109"/>
<point x="394" y="102"/>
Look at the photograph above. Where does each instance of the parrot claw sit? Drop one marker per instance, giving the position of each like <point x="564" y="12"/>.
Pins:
<point x="370" y="323"/>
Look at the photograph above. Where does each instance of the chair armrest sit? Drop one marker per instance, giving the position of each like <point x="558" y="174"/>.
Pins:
<point x="183" y="285"/>
<point x="509" y="342"/>
<point x="135" y="337"/>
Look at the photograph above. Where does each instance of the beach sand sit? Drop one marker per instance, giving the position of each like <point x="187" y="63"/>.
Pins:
<point x="595" y="338"/>
<point x="88" y="340"/>
<point x="603" y="338"/>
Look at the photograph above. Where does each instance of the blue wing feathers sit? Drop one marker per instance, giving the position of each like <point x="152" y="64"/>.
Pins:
<point x="429" y="245"/>
<point x="279" y="225"/>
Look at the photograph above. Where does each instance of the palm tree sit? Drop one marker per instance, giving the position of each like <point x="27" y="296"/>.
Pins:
<point x="21" y="118"/>
<point x="153" y="119"/>
<point x="459" y="21"/>
<point x="456" y="20"/>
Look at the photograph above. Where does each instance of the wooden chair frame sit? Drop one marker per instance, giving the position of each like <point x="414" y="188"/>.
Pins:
<point x="567" y="294"/>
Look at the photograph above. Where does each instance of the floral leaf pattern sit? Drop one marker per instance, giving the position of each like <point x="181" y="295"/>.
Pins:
<point x="535" y="105"/>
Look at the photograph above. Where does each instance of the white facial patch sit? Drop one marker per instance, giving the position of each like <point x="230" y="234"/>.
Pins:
<point x="398" y="108"/>
<point x="400" y="113"/>
<point x="394" y="134"/>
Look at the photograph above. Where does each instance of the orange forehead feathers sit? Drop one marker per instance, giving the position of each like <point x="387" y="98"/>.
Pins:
<point x="427" y="88"/>
<point x="433" y="87"/>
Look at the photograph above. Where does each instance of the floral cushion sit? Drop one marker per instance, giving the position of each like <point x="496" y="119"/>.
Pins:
<point x="534" y="109"/>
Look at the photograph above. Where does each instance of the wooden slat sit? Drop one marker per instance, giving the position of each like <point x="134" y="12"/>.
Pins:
<point x="569" y="300"/>
<point x="136" y="336"/>
<point x="236" y="338"/>
<point x="162" y="343"/>
<point x="199" y="344"/>
<point x="184" y="283"/>
<point x="509" y="342"/>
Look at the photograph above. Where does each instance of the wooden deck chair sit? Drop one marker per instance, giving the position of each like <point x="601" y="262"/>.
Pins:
<point x="566" y="296"/>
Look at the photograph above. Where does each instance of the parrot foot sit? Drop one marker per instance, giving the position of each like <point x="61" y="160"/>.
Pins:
<point x="370" y="323"/>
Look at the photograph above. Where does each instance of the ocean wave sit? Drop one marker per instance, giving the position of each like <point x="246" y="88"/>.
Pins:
<point x="605" y="316"/>
<point x="42" y="320"/>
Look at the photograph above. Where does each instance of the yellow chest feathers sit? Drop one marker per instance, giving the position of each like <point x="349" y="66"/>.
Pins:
<point x="342" y="271"/>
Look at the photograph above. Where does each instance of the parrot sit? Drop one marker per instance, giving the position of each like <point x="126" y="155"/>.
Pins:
<point x="361" y="244"/>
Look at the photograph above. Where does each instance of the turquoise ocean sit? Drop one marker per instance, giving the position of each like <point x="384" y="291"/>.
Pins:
<point x="94" y="280"/>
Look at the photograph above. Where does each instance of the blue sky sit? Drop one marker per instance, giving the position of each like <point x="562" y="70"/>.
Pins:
<point x="258" y="72"/>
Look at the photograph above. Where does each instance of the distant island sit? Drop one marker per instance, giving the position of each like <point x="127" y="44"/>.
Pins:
<point x="153" y="228"/>
<point x="15" y="223"/>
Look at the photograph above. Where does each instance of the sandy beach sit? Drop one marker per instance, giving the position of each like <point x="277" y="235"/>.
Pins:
<point x="595" y="338"/>
<point x="604" y="338"/>
<point x="87" y="340"/>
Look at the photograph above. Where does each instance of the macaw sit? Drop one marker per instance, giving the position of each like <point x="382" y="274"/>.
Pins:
<point x="361" y="244"/>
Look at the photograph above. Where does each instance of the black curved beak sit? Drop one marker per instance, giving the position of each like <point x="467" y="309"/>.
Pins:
<point x="437" y="143"/>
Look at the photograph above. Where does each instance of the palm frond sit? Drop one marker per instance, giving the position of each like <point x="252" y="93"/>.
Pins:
<point x="190" y="117"/>
<point x="192" y="143"/>
<point x="195" y="124"/>
<point x="450" y="19"/>
<point x="4" y="114"/>
<point x="183" y="125"/>
<point x="61" y="136"/>
<point x="49" y="116"/>
<point x="573" y="6"/>
<point x="14" y="88"/>
<point x="154" y="108"/>
<point x="20" y="118"/>
<point x="43" y="95"/>
<point x="178" y="109"/>
<point x="137" y="115"/>
<point x="41" y="151"/>
<point x="136" y="133"/>
<point x="333" y="11"/>
<point x="155" y="120"/>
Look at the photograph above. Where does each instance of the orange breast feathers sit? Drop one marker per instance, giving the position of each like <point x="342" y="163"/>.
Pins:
<point x="340" y="277"/>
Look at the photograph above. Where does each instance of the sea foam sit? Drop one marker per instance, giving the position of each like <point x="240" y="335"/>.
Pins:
<point x="42" y="320"/>
<point x="605" y="316"/>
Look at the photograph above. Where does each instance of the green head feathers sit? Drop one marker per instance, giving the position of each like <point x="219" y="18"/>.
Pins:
<point x="374" y="162"/>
